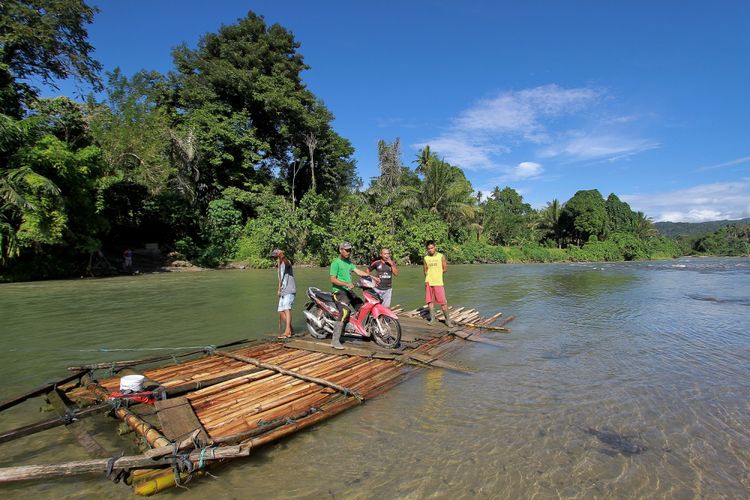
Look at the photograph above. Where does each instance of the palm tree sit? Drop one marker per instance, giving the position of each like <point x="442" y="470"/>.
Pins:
<point x="549" y="220"/>
<point x="423" y="160"/>
<point x="445" y="191"/>
<point x="14" y="203"/>
<point x="644" y="226"/>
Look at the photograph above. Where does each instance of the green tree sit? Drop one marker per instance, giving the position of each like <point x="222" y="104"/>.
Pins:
<point x="445" y="190"/>
<point x="584" y="216"/>
<point x="506" y="217"/>
<point x="732" y="240"/>
<point x="239" y="102"/>
<point x="44" y="40"/>
<point x="549" y="221"/>
<point x="620" y="218"/>
<point x="643" y="226"/>
<point x="133" y="132"/>
<point x="48" y="184"/>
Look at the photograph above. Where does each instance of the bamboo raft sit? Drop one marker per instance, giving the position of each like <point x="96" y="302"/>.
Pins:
<point x="223" y="402"/>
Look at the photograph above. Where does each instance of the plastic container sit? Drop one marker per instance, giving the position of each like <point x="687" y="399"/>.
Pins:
<point x="131" y="383"/>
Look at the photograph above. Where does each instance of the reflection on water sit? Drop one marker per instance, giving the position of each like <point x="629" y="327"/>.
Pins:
<point x="624" y="380"/>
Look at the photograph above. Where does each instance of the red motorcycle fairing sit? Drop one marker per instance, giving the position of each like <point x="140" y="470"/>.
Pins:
<point x="372" y="299"/>
<point x="380" y="310"/>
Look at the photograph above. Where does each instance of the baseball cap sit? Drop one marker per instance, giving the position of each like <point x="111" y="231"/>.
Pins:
<point x="345" y="246"/>
<point x="276" y="252"/>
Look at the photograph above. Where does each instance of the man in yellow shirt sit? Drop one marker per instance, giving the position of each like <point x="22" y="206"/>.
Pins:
<point x="435" y="266"/>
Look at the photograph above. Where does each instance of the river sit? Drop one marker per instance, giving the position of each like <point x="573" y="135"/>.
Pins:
<point x="624" y="380"/>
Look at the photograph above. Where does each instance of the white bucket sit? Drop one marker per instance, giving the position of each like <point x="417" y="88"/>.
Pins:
<point x="131" y="383"/>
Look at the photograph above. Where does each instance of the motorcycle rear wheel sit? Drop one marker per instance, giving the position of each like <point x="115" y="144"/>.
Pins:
<point x="386" y="332"/>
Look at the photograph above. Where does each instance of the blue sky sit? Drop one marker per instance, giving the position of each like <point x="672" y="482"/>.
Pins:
<point x="648" y="100"/>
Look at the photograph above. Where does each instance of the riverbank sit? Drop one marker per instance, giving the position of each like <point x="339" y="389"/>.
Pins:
<point x="483" y="253"/>
<point x="609" y="251"/>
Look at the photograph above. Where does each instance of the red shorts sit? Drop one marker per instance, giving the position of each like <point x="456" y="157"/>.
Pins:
<point x="434" y="294"/>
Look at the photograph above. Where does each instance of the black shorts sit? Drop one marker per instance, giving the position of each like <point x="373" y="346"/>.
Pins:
<point x="346" y="302"/>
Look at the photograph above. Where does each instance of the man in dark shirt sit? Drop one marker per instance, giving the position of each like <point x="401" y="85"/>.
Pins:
<point x="385" y="269"/>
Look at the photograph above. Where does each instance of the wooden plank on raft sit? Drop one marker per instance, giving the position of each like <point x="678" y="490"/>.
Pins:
<point x="42" y="389"/>
<point x="325" y="347"/>
<point x="415" y="359"/>
<point x="85" y="439"/>
<point x="291" y="373"/>
<point x="178" y="419"/>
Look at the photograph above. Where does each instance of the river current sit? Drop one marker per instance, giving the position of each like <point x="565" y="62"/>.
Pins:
<point x="624" y="380"/>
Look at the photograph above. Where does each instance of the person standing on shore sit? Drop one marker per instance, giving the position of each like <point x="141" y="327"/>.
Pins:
<point x="435" y="265"/>
<point x="385" y="269"/>
<point x="127" y="257"/>
<point x="341" y="279"/>
<point x="286" y="291"/>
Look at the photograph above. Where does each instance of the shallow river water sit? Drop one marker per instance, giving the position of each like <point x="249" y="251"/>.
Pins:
<point x="623" y="380"/>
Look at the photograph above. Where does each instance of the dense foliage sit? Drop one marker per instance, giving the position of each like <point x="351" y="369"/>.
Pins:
<point x="677" y="229"/>
<point x="230" y="154"/>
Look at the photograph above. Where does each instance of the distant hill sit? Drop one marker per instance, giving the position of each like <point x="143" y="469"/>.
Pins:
<point x="675" y="229"/>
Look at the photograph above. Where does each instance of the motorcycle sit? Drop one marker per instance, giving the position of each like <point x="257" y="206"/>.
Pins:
<point x="368" y="319"/>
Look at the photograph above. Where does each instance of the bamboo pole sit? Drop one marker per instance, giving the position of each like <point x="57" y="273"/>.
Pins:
<point x="26" y="472"/>
<point x="235" y="408"/>
<point x="472" y="337"/>
<point x="142" y="428"/>
<point x="492" y="319"/>
<point x="42" y="389"/>
<point x="26" y="430"/>
<point x="487" y="327"/>
<point x="234" y="422"/>
<point x="86" y="440"/>
<point x="133" y="362"/>
<point x="284" y="371"/>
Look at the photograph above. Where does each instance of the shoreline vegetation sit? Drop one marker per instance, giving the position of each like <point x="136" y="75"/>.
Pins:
<point x="230" y="155"/>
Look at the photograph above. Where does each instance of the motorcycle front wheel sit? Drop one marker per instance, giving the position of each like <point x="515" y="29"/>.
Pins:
<point x="386" y="332"/>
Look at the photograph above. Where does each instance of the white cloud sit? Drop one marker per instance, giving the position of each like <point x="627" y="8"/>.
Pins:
<point x="527" y="169"/>
<point x="522" y="112"/>
<point x="736" y="161"/>
<point x="582" y="146"/>
<point x="460" y="151"/>
<point x="481" y="135"/>
<point x="717" y="201"/>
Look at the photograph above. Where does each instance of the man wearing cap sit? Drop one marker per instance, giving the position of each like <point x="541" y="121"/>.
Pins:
<point x="341" y="279"/>
<point x="287" y="290"/>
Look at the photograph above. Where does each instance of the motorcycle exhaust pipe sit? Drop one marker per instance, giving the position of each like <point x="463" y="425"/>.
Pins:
<point x="314" y="320"/>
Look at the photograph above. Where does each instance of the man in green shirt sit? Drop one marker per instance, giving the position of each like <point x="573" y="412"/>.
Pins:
<point x="341" y="279"/>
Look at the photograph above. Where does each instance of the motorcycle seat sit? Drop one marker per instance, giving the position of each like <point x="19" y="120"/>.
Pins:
<point x="324" y="296"/>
